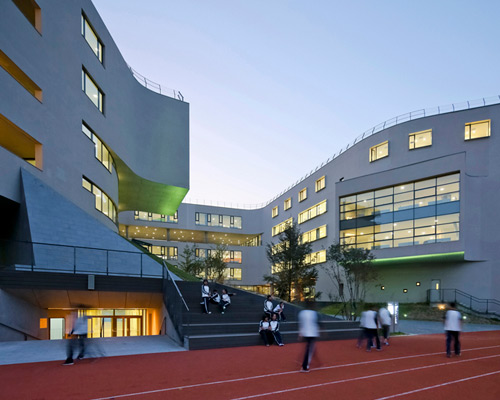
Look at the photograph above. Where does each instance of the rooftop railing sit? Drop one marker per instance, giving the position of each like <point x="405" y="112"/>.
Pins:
<point x="156" y="87"/>
<point x="400" y="119"/>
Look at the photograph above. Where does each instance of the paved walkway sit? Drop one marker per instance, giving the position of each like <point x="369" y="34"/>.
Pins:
<point x="55" y="350"/>
<point x="427" y="327"/>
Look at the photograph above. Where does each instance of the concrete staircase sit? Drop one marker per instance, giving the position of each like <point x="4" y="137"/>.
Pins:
<point x="240" y="323"/>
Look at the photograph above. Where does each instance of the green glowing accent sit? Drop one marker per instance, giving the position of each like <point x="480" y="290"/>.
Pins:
<point x="425" y="258"/>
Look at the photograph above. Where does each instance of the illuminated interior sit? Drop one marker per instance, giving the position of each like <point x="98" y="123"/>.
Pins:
<point x="18" y="74"/>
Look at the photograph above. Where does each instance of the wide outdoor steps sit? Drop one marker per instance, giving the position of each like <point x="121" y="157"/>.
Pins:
<point x="239" y="325"/>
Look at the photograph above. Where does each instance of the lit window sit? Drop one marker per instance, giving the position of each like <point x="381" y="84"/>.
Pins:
<point x="314" y="234"/>
<point x="102" y="201"/>
<point x="316" y="258"/>
<point x="275" y="212"/>
<point x="320" y="184"/>
<point x="102" y="153"/>
<point x="31" y="11"/>
<point x="225" y="221"/>
<point x="277" y="229"/>
<point x="303" y="194"/>
<point x="379" y="151"/>
<point x="92" y="90"/>
<point x="287" y="204"/>
<point x="476" y="130"/>
<point x="420" y="139"/>
<point x="312" y="212"/>
<point x="92" y="39"/>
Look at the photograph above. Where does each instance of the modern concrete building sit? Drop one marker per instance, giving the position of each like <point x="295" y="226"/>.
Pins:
<point x="91" y="158"/>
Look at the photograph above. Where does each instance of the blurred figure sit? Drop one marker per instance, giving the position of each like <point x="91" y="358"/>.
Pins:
<point x="362" y="333"/>
<point x="275" y="330"/>
<point x="265" y="330"/>
<point x="371" y="325"/>
<point x="279" y="310"/>
<point x="308" y="331"/>
<point x="385" y="319"/>
<point x="268" y="306"/>
<point x="205" y="296"/>
<point x="78" y="337"/>
<point x="452" y="327"/>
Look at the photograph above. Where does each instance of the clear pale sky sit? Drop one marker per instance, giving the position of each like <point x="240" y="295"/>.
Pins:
<point x="277" y="87"/>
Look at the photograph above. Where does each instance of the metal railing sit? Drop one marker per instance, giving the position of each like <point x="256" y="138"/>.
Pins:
<point x="156" y="87"/>
<point x="176" y="305"/>
<point x="466" y="300"/>
<point x="49" y="257"/>
<point x="410" y="116"/>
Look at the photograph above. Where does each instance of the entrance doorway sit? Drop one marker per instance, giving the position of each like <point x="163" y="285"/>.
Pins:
<point x="116" y="323"/>
<point x="435" y="292"/>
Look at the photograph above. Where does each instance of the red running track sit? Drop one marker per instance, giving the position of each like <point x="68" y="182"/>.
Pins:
<point x="412" y="367"/>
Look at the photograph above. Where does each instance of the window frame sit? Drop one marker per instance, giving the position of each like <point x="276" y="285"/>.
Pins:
<point x="302" y="195"/>
<point x="100" y="54"/>
<point x="275" y="212"/>
<point x="101" y="95"/>
<point x="321" y="182"/>
<point x="470" y="124"/>
<point x="414" y="136"/>
<point x="287" y="202"/>
<point x="373" y="151"/>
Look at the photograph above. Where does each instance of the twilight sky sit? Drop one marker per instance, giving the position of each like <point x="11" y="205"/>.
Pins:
<point x="277" y="87"/>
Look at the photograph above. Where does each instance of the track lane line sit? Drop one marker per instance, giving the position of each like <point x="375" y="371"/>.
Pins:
<point x="361" y="378"/>
<point x="440" y="385"/>
<point x="284" y="373"/>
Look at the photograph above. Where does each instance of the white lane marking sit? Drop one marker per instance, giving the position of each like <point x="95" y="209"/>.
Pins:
<point x="440" y="385"/>
<point x="361" y="378"/>
<point x="282" y="373"/>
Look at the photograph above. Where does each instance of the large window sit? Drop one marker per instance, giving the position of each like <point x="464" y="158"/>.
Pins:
<point x="413" y="213"/>
<point x="312" y="212"/>
<point x="379" y="151"/>
<point x="314" y="234"/>
<point x="103" y="203"/>
<point x="224" y="221"/>
<point x="320" y="184"/>
<point x="145" y="216"/>
<point x="102" y="153"/>
<point x="476" y="130"/>
<point x="420" y="139"/>
<point x="92" y="90"/>
<point x="91" y="38"/>
<point x="277" y="229"/>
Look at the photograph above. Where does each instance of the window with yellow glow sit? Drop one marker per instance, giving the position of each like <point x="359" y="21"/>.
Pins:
<point x="103" y="202"/>
<point x="314" y="234"/>
<point x="145" y="216"/>
<point x="317" y="257"/>
<point x="92" y="91"/>
<point x="476" y="130"/>
<point x="92" y="39"/>
<point x="102" y="153"/>
<point x="277" y="229"/>
<point x="420" y="139"/>
<point x="379" y="151"/>
<point x="312" y="212"/>
<point x="320" y="184"/>
<point x="303" y="194"/>
<point x="287" y="204"/>
<point x="31" y="10"/>
<point x="275" y="212"/>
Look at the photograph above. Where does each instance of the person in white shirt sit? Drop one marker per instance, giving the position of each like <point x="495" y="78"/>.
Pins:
<point x="78" y="336"/>
<point x="268" y="306"/>
<point x="275" y="330"/>
<point x="265" y="330"/>
<point x="205" y="296"/>
<point x="226" y="300"/>
<point x="309" y="332"/>
<point x="279" y="310"/>
<point x="362" y="332"/>
<point x="371" y="325"/>
<point x="384" y="318"/>
<point x="452" y="327"/>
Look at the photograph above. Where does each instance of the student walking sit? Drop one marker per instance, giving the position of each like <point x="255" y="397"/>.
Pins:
<point x="275" y="330"/>
<point x="226" y="300"/>
<point x="452" y="327"/>
<point x="205" y="296"/>
<point x="79" y="338"/>
<point x="371" y="325"/>
<point x="265" y="330"/>
<point x="385" y="319"/>
<point x="363" y="334"/>
<point x="309" y="332"/>
<point x="268" y="306"/>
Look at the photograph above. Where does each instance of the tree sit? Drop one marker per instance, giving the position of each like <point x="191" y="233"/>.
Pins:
<point x="290" y="267"/>
<point x="351" y="271"/>
<point x="214" y="265"/>
<point x="190" y="263"/>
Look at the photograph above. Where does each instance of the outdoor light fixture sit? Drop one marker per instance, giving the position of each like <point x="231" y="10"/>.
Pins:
<point x="405" y="290"/>
<point x="418" y="283"/>
<point x="382" y="287"/>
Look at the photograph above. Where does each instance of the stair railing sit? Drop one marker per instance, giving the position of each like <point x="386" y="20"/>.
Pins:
<point x="175" y="304"/>
<point x="466" y="300"/>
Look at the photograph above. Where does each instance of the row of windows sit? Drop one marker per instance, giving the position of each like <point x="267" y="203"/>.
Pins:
<point x="277" y="229"/>
<point x="224" y="221"/>
<point x="145" y="216"/>
<point x="165" y="252"/>
<point x="103" y="203"/>
<point x="317" y="257"/>
<point x="473" y="130"/>
<point x="312" y="212"/>
<point x="320" y="184"/>
<point x="229" y="256"/>
<point x="102" y="153"/>
<point x="313" y="235"/>
<point x="230" y="274"/>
